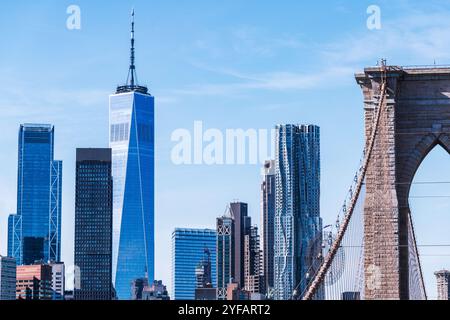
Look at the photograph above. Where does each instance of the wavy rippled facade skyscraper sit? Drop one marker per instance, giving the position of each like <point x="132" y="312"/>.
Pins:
<point x="298" y="225"/>
<point x="132" y="143"/>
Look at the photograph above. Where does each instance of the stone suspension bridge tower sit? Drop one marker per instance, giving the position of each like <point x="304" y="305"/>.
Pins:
<point x="407" y="114"/>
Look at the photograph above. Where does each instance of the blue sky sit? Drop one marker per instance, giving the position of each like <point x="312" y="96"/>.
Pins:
<point x="234" y="64"/>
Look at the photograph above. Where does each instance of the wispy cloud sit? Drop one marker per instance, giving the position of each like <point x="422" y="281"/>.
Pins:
<point x="246" y="41"/>
<point x="417" y="37"/>
<point x="16" y="101"/>
<point x="255" y="41"/>
<point x="270" y="81"/>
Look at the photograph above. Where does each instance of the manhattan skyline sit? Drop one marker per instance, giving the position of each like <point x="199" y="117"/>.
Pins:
<point x="279" y="78"/>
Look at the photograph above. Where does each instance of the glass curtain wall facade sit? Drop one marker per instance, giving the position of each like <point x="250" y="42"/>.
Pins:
<point x="189" y="248"/>
<point x="132" y="144"/>
<point x="14" y="235"/>
<point x="37" y="227"/>
<point x="298" y="225"/>
<point x="93" y="224"/>
<point x="225" y="255"/>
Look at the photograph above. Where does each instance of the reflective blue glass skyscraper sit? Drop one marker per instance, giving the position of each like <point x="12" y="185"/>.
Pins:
<point x="131" y="111"/>
<point x="35" y="232"/>
<point x="298" y="226"/>
<point x="189" y="247"/>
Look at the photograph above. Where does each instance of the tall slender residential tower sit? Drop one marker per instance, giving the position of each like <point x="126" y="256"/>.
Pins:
<point x="36" y="229"/>
<point x="225" y="254"/>
<point x="297" y="210"/>
<point x="93" y="224"/>
<point x="268" y="221"/>
<point x="131" y="117"/>
<point x="252" y="262"/>
<point x="232" y="230"/>
<point x="242" y="224"/>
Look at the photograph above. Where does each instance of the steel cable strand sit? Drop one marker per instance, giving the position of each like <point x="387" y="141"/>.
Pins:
<point x="333" y="250"/>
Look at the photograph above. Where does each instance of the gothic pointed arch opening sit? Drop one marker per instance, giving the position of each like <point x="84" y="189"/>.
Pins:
<point x="414" y="120"/>
<point x="429" y="203"/>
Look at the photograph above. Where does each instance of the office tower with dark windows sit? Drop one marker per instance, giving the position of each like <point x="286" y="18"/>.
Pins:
<point x="7" y="278"/>
<point x="242" y="224"/>
<point x="225" y="254"/>
<point x="298" y="226"/>
<point x="208" y="293"/>
<point x="232" y="229"/>
<point x="131" y="119"/>
<point x="268" y="222"/>
<point x="36" y="229"/>
<point x="190" y="247"/>
<point x="253" y="262"/>
<point x="443" y="284"/>
<point x="93" y="224"/>
<point x="34" y="282"/>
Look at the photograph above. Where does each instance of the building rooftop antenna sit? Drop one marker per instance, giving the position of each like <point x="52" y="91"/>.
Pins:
<point x="132" y="80"/>
<point x="132" y="71"/>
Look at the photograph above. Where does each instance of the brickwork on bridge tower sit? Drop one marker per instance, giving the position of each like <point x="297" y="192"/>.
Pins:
<point x="414" y="120"/>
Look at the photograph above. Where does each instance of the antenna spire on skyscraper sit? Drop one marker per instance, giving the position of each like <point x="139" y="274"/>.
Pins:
<point x="132" y="81"/>
<point x="132" y="71"/>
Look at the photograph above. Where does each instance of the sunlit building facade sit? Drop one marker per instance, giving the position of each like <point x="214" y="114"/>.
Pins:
<point x="191" y="247"/>
<point x="132" y="143"/>
<point x="34" y="282"/>
<point x="58" y="280"/>
<point x="35" y="232"/>
<point x="132" y="140"/>
<point x="297" y="210"/>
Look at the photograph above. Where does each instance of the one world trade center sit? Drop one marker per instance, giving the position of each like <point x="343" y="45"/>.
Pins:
<point x="131" y="119"/>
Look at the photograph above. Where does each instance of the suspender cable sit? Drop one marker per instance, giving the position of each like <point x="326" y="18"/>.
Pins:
<point x="320" y="276"/>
